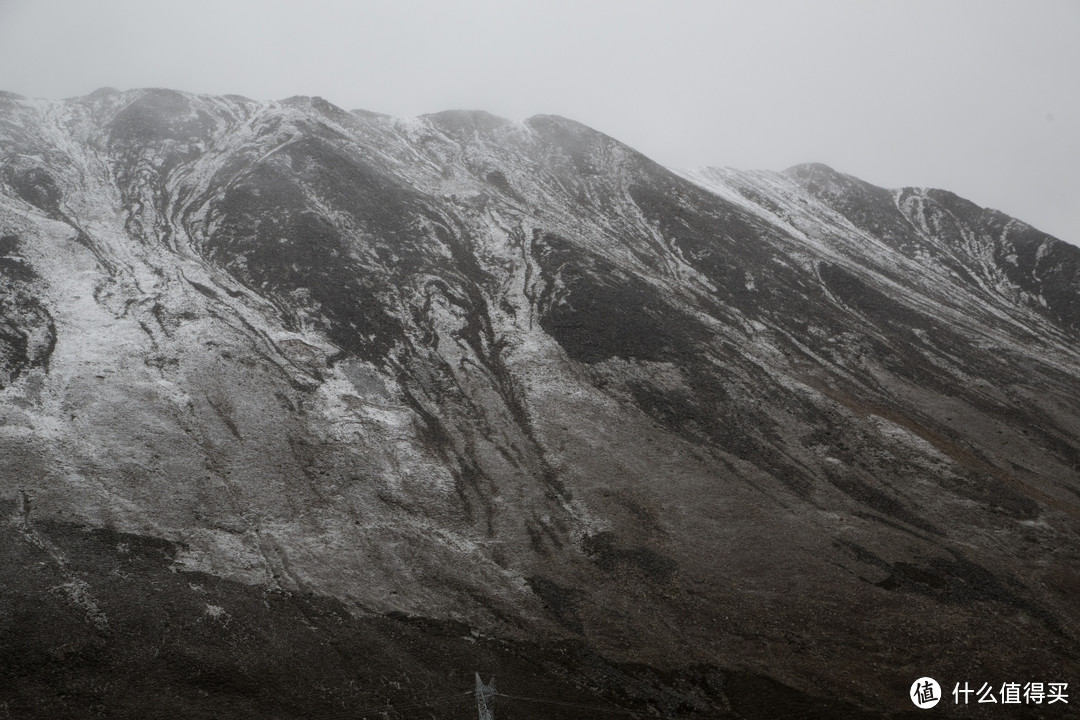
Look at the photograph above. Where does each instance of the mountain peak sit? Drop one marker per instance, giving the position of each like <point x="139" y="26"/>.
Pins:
<point x="460" y="122"/>
<point x="296" y="379"/>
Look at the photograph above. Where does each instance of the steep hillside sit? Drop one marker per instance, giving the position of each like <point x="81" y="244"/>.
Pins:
<point x="307" y="411"/>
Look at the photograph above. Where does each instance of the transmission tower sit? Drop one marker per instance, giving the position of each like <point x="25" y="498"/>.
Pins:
<point x="485" y="698"/>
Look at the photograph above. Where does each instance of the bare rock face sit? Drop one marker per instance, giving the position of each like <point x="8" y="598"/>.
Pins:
<point x="306" y="411"/>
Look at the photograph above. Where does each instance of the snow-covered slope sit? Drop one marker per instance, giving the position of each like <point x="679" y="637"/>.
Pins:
<point x="466" y="391"/>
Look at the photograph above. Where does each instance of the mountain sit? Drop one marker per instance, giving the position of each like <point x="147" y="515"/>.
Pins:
<point x="310" y="413"/>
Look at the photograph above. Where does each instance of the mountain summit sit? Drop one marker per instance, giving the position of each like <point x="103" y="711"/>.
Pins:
<point x="306" y="411"/>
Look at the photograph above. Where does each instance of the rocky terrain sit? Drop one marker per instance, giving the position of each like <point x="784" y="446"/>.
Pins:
<point x="308" y="413"/>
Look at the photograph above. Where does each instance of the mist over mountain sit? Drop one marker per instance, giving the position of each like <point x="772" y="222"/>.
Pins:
<point x="306" y="411"/>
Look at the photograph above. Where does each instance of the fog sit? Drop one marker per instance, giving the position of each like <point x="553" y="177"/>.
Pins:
<point x="978" y="97"/>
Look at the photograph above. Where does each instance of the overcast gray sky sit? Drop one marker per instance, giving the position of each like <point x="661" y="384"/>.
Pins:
<point x="980" y="97"/>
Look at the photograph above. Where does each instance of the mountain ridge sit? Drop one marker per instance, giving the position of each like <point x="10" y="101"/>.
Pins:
<point x="518" y="381"/>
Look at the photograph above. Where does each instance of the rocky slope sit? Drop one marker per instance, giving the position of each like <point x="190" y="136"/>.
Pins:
<point x="307" y="411"/>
